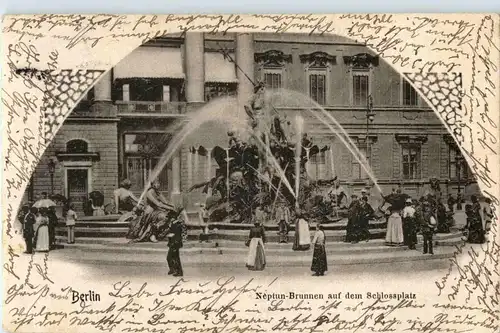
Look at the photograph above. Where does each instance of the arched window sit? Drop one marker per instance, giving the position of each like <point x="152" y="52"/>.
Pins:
<point x="77" y="147"/>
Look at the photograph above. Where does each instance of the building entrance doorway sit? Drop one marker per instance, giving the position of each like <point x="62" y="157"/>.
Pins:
<point x="78" y="188"/>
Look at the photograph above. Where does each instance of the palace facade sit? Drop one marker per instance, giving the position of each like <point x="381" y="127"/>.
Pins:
<point x="122" y="126"/>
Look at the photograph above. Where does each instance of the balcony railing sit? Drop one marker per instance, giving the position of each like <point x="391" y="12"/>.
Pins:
<point x="134" y="107"/>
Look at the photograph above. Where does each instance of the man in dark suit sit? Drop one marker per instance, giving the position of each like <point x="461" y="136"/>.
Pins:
<point x="28" y="229"/>
<point x="53" y="220"/>
<point x="174" y="245"/>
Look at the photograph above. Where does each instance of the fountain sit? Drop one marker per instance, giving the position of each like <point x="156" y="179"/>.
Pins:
<point x="265" y="155"/>
<point x="260" y="172"/>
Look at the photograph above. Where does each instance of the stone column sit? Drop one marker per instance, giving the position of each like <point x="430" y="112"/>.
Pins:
<point x="195" y="67"/>
<point x="103" y="105"/>
<point x="102" y="89"/>
<point x="245" y="61"/>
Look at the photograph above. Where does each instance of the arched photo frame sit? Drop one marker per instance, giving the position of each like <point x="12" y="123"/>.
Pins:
<point x="445" y="62"/>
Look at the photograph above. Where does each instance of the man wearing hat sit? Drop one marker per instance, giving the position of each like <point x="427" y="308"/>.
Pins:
<point x="409" y="224"/>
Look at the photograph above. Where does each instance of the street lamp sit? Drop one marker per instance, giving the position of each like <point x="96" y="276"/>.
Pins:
<point x="52" y="169"/>
<point x="370" y="116"/>
<point x="458" y="163"/>
<point x="31" y="190"/>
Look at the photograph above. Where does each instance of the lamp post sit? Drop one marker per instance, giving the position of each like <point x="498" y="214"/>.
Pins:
<point x="52" y="169"/>
<point x="370" y="116"/>
<point x="31" y="190"/>
<point x="458" y="163"/>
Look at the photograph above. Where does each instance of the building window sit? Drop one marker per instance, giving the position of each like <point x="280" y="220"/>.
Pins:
<point x="457" y="165"/>
<point x="317" y="166"/>
<point x="216" y="89"/>
<point x="410" y="157"/>
<point x="410" y="96"/>
<point x="360" y="87"/>
<point x="317" y="65"/>
<point x="317" y="86"/>
<point x="272" y="67"/>
<point x="273" y="78"/>
<point x="77" y="147"/>
<point x="358" y="172"/>
<point x="142" y="154"/>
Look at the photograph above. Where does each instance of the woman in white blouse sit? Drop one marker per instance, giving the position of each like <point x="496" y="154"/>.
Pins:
<point x="319" y="264"/>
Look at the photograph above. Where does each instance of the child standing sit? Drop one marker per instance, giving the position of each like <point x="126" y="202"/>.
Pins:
<point x="70" y="224"/>
<point x="427" y="225"/>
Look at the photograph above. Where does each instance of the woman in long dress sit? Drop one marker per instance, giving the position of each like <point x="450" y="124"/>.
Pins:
<point x="366" y="213"/>
<point x="394" y="236"/>
<point x="410" y="225"/>
<point x="154" y="222"/>
<point x="353" y="221"/>
<point x="256" y="260"/>
<point x="42" y="241"/>
<point x="319" y="264"/>
<point x="302" y="240"/>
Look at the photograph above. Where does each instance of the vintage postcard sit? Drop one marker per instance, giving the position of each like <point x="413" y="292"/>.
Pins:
<point x="251" y="173"/>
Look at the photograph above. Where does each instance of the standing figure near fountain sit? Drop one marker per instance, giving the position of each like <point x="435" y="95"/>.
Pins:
<point x="283" y="218"/>
<point x="41" y="227"/>
<point x="124" y="199"/>
<point x="174" y="245"/>
<point x="256" y="260"/>
<point x="155" y="217"/>
<point x="394" y="236"/>
<point x="353" y="221"/>
<point x="319" y="263"/>
<point x="410" y="225"/>
<point x="366" y="214"/>
<point x="302" y="240"/>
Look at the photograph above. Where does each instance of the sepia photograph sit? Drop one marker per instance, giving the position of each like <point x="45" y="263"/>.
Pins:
<point x="251" y="173"/>
<point x="264" y="152"/>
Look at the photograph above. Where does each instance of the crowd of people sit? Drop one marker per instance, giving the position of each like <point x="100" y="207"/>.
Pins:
<point x="405" y="220"/>
<point x="256" y="259"/>
<point x="156" y="219"/>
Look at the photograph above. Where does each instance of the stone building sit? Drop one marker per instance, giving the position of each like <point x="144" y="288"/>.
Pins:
<point x="120" y="129"/>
